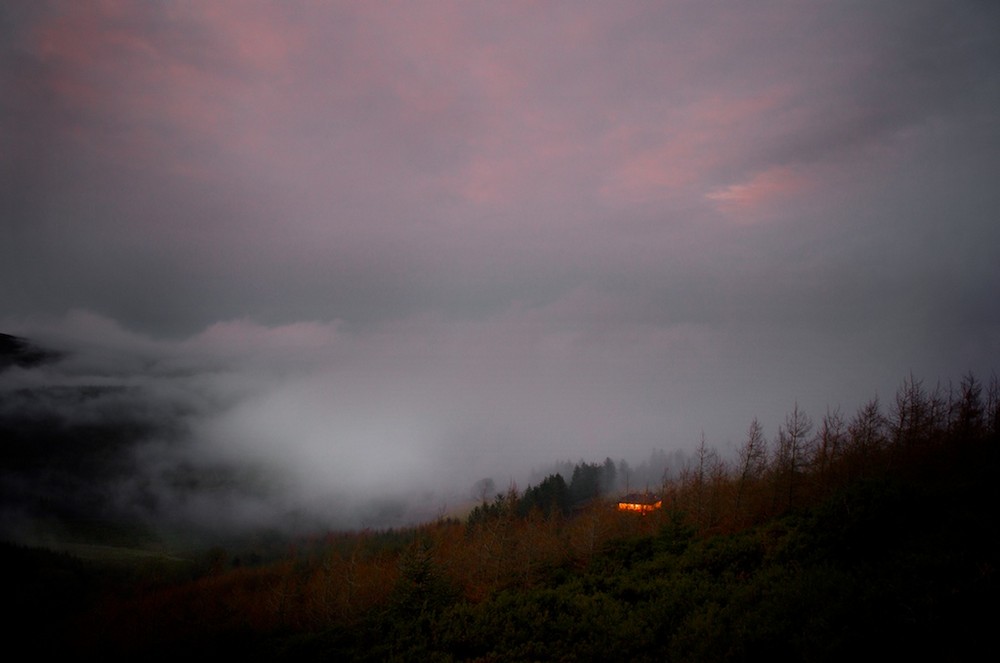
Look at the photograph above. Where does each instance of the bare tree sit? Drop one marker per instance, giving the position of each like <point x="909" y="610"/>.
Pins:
<point x="752" y="463"/>
<point x="830" y="440"/>
<point x="793" y="450"/>
<point x="993" y="409"/>
<point x="703" y="462"/>
<point x="909" y="421"/>
<point x="968" y="413"/>
<point x="867" y="435"/>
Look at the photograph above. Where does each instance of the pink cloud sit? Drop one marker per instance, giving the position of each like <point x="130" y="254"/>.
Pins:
<point x="674" y="154"/>
<point x="169" y="83"/>
<point x="753" y="197"/>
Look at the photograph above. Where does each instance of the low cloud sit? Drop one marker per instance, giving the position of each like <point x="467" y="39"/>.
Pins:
<point x="306" y="425"/>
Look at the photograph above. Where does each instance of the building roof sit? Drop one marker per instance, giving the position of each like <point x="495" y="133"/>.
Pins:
<point x="639" y="498"/>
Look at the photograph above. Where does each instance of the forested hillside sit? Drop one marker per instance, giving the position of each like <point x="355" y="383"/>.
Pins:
<point x="874" y="533"/>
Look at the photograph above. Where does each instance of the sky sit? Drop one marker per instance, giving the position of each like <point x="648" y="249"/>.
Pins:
<point x="419" y="243"/>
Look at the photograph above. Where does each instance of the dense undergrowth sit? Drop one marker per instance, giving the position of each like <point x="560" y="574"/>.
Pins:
<point x="875" y="535"/>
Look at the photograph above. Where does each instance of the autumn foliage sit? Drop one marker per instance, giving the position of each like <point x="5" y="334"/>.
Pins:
<point x="792" y="524"/>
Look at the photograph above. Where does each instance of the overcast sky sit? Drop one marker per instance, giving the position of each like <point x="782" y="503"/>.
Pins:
<point x="379" y="238"/>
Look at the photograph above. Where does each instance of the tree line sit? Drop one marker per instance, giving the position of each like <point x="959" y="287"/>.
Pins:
<point x="792" y="549"/>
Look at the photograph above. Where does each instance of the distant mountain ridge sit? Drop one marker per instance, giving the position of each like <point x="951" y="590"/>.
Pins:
<point x="18" y="351"/>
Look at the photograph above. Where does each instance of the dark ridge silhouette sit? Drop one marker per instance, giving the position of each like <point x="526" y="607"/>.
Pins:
<point x="17" y="351"/>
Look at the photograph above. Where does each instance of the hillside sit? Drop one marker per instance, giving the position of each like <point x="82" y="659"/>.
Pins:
<point x="887" y="544"/>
